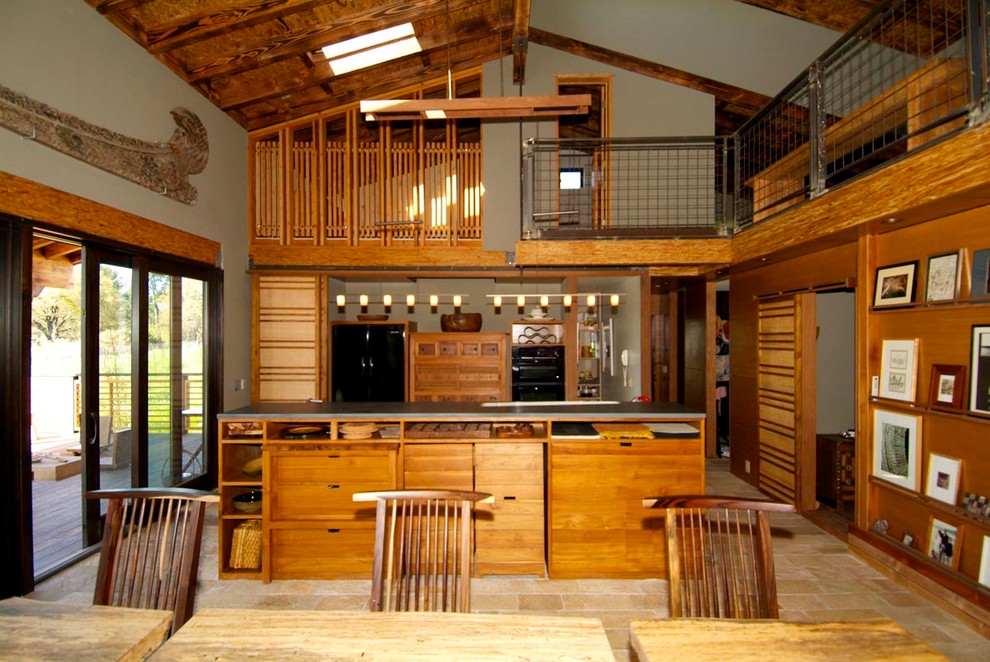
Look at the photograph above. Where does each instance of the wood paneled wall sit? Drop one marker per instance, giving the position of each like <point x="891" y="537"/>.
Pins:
<point x="834" y="265"/>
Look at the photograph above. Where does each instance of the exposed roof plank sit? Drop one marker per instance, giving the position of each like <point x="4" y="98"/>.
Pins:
<point x="839" y="15"/>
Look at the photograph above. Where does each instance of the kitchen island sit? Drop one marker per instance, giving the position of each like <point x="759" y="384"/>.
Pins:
<point x="568" y="480"/>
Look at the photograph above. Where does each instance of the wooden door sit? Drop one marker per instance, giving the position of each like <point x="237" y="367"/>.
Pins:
<point x="786" y="398"/>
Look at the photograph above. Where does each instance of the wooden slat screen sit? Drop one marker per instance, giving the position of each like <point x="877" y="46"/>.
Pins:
<point x="303" y="209"/>
<point x="778" y="401"/>
<point x="375" y="191"/>
<point x="267" y="189"/>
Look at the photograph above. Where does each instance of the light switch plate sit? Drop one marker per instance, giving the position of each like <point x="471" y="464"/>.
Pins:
<point x="875" y="388"/>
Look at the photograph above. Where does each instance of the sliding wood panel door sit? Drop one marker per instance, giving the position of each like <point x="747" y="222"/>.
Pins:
<point x="786" y="398"/>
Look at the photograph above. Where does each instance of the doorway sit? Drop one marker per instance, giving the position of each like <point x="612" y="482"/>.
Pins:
<point x="118" y="397"/>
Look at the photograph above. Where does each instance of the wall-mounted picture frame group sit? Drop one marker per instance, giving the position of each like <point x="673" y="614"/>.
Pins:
<point x="979" y="367"/>
<point x="898" y="369"/>
<point x="943" y="478"/>
<point x="895" y="285"/>
<point x="979" y="286"/>
<point x="942" y="277"/>
<point x="948" y="386"/>
<point x="896" y="448"/>
<point x="943" y="543"/>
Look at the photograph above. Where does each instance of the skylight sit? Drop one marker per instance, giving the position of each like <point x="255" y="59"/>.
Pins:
<point x="373" y="48"/>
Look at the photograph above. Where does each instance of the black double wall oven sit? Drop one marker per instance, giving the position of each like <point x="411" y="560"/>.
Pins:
<point x="538" y="372"/>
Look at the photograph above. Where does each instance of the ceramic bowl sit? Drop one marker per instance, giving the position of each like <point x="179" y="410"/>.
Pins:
<point x="249" y="502"/>
<point x="467" y="322"/>
<point x="252" y="467"/>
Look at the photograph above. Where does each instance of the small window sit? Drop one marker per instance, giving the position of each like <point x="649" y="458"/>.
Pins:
<point x="571" y="178"/>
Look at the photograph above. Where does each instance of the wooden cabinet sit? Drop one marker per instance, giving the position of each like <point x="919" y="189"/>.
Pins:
<point x="510" y="531"/>
<point x="835" y="483"/>
<point x="597" y="524"/>
<point x="316" y="530"/>
<point x="898" y="501"/>
<point x="458" y="367"/>
<point x="588" y="494"/>
<point x="240" y="443"/>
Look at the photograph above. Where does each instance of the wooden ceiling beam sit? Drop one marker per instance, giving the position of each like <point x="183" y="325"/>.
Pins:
<point x="841" y="15"/>
<point x="737" y="95"/>
<point x="520" y="40"/>
<point x="107" y="7"/>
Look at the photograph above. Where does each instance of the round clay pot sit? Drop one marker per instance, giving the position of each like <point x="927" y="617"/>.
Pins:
<point x="468" y="322"/>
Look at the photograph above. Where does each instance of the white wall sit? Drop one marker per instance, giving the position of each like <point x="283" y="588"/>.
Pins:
<point x="836" y="362"/>
<point x="64" y="54"/>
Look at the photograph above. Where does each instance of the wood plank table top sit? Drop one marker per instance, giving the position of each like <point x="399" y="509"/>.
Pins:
<point x="39" y="630"/>
<point x="256" y="634"/>
<point x="724" y="639"/>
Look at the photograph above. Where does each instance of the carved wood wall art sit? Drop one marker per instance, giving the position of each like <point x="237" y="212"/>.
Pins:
<point x="161" y="167"/>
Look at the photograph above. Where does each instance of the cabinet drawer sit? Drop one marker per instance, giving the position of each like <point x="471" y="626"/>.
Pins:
<point x="509" y="457"/>
<point x="339" y="551"/>
<point x="331" y="466"/>
<point x="438" y="466"/>
<point x="607" y="554"/>
<point x="302" y="501"/>
<point x="509" y="514"/>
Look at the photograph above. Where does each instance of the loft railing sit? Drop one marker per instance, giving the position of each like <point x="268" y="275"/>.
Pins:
<point x="909" y="74"/>
<point x="630" y="186"/>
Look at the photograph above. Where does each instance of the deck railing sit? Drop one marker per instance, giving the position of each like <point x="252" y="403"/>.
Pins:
<point x="163" y="404"/>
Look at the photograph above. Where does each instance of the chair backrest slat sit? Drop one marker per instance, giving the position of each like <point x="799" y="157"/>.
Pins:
<point x="149" y="556"/>
<point x="423" y="549"/>
<point x="719" y="556"/>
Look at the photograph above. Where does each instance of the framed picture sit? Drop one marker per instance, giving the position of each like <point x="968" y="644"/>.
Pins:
<point x="898" y="371"/>
<point x="896" y="448"/>
<point x="948" y="384"/>
<point x="979" y="286"/>
<point x="943" y="543"/>
<point x="942" y="277"/>
<point x="984" y="576"/>
<point x="895" y="285"/>
<point x="979" y="367"/>
<point x="943" y="478"/>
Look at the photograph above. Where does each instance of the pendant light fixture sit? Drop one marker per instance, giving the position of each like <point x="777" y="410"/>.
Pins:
<point x="481" y="107"/>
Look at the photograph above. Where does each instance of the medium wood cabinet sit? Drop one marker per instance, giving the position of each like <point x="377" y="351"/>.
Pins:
<point x="458" y="367"/>
<point x="597" y="524"/>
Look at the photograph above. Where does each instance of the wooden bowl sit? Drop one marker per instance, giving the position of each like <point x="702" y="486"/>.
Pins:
<point x="465" y="322"/>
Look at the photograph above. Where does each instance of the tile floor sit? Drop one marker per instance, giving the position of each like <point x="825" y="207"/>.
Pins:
<point x="817" y="580"/>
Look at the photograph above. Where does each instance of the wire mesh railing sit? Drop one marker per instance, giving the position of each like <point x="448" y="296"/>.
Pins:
<point x="909" y="74"/>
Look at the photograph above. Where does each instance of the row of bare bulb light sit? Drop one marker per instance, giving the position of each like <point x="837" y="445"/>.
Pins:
<point x="457" y="300"/>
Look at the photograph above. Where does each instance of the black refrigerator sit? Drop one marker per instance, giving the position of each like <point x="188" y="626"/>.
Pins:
<point x="368" y="362"/>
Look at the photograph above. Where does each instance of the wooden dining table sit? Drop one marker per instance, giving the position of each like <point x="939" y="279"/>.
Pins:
<point x="725" y="639"/>
<point x="40" y="630"/>
<point x="253" y="634"/>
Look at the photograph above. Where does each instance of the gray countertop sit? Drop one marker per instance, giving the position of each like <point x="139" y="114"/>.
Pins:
<point x="496" y="411"/>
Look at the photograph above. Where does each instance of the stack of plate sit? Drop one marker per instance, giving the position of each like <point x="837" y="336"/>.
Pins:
<point x="358" y="430"/>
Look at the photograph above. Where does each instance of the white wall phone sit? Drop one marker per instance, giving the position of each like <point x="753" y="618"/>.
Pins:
<point x="624" y="360"/>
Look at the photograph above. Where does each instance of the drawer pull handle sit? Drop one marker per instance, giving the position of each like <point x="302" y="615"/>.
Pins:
<point x="333" y="486"/>
<point x="333" y="530"/>
<point x="509" y="498"/>
<point x="625" y="443"/>
<point x="333" y="457"/>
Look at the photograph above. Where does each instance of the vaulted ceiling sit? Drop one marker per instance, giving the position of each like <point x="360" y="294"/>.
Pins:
<point x="259" y="61"/>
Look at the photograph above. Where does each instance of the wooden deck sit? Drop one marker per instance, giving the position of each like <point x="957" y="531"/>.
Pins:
<point x="57" y="509"/>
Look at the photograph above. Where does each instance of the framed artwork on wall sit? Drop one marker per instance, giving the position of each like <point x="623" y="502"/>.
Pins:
<point x="947" y="386"/>
<point x="943" y="543"/>
<point x="979" y="286"/>
<point x="942" y="277"/>
<point x="895" y="285"/>
<point x="979" y="367"/>
<point x="943" y="478"/>
<point x="898" y="369"/>
<point x="896" y="448"/>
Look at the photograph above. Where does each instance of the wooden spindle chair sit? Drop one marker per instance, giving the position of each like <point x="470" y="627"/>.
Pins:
<point x="719" y="556"/>
<point x="149" y="557"/>
<point x="423" y="549"/>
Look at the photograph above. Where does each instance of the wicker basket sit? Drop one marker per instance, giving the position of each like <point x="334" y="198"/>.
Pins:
<point x="245" y="546"/>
